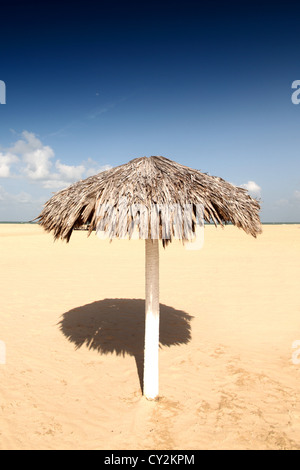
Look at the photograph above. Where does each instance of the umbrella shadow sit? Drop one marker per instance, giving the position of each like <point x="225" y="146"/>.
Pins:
<point x="118" y="326"/>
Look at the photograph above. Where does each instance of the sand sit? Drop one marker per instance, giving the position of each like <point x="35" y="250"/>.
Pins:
<point x="72" y="320"/>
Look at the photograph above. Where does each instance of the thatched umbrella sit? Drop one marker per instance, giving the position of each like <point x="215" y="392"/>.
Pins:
<point x="162" y="200"/>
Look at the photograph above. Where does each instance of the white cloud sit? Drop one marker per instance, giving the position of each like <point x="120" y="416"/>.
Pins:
<point x="28" y="143"/>
<point x="38" y="163"/>
<point x="20" y="198"/>
<point x="35" y="162"/>
<point x="70" y="172"/>
<point x="35" y="155"/>
<point x="282" y="202"/>
<point x="252" y="188"/>
<point x="34" y="158"/>
<point x="4" y="167"/>
<point x="55" y="184"/>
<point x="93" y="168"/>
<point x="293" y="201"/>
<point x="6" y="161"/>
<point x="297" y="195"/>
<point x="28" y="161"/>
<point x="23" y="198"/>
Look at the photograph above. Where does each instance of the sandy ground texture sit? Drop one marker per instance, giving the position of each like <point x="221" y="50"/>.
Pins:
<point x="72" y="323"/>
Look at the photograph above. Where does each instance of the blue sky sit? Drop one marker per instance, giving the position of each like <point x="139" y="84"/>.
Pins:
<point x="93" y="85"/>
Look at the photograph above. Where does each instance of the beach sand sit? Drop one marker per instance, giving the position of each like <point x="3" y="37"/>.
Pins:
<point x="72" y="321"/>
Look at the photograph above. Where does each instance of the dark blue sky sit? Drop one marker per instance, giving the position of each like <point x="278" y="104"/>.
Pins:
<point x="207" y="84"/>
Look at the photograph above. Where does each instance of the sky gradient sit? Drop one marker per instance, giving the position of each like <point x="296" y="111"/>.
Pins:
<point x="93" y="85"/>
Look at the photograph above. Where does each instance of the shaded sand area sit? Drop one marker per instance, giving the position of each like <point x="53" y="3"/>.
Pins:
<point x="72" y="320"/>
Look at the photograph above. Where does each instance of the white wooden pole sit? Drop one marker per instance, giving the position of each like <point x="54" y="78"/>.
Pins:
<point x="151" y="320"/>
